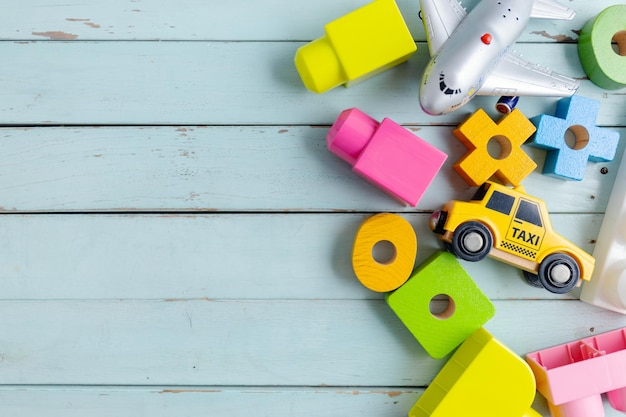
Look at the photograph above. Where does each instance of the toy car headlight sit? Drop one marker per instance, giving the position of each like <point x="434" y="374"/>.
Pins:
<point x="436" y="221"/>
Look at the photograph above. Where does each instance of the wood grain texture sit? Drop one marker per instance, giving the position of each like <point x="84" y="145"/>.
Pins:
<point x="202" y="401"/>
<point x="251" y="342"/>
<point x="235" y="168"/>
<point x="215" y="256"/>
<point x="176" y="237"/>
<point x="242" y="20"/>
<point x="199" y="401"/>
<point x="226" y="83"/>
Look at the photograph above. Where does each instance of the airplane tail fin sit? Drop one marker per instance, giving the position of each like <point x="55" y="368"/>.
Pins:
<point x="551" y="9"/>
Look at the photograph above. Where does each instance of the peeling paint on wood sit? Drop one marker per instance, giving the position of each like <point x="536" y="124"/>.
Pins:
<point x="185" y="300"/>
<point x="56" y="35"/>
<point x="390" y="394"/>
<point x="184" y="391"/>
<point x="558" y="38"/>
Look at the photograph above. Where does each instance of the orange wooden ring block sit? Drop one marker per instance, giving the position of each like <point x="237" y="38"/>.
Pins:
<point x="384" y="276"/>
<point x="478" y="165"/>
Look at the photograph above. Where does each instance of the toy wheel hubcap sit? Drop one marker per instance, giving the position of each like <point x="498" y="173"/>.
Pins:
<point x="473" y="242"/>
<point x="560" y="274"/>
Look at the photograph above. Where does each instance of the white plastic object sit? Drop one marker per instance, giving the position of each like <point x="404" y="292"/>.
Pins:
<point x="607" y="287"/>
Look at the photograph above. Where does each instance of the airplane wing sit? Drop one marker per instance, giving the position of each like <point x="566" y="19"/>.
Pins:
<point x="440" y="17"/>
<point x="514" y="76"/>
<point x="551" y="9"/>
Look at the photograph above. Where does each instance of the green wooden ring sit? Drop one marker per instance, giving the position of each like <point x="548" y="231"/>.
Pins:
<point x="603" y="66"/>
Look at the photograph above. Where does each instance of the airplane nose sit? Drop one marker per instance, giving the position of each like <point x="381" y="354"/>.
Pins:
<point x="427" y="103"/>
<point x="432" y="100"/>
<point x="427" y="109"/>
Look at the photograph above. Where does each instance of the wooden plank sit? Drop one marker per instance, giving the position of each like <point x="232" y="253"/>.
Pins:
<point x="201" y="401"/>
<point x="212" y="20"/>
<point x="225" y="83"/>
<point x="185" y="257"/>
<point x="260" y="343"/>
<point x="240" y="308"/>
<point x="77" y="401"/>
<point x="282" y="168"/>
<point x="205" y="401"/>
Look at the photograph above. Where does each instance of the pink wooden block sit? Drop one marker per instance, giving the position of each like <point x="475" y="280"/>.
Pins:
<point x="573" y="376"/>
<point x="386" y="154"/>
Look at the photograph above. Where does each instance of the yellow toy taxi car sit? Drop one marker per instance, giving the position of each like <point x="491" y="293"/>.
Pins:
<point x="514" y="227"/>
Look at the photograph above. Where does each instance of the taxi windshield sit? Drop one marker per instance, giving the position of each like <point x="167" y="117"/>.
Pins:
<point x="480" y="193"/>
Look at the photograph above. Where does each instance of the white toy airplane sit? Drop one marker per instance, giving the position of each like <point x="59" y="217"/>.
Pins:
<point x="470" y="54"/>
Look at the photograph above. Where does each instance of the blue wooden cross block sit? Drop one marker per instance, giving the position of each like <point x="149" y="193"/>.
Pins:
<point x="569" y="152"/>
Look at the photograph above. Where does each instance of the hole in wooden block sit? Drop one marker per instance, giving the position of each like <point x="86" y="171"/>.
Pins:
<point x="576" y="137"/>
<point x="442" y="306"/>
<point x="618" y="42"/>
<point x="384" y="252"/>
<point x="499" y="147"/>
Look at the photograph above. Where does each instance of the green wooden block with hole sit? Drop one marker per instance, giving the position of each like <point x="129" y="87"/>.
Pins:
<point x="441" y="305"/>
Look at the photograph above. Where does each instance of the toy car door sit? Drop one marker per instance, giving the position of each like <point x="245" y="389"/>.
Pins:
<point x="526" y="229"/>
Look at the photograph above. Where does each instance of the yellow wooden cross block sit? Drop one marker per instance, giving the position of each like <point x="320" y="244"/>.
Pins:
<point x="494" y="149"/>
<point x="384" y="275"/>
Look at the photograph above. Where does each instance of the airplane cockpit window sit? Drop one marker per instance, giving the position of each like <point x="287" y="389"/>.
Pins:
<point x="443" y="87"/>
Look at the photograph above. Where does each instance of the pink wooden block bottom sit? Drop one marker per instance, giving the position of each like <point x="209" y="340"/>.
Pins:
<point x="386" y="154"/>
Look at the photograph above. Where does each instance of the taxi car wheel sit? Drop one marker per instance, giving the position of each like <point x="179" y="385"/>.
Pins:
<point x="472" y="241"/>
<point x="559" y="273"/>
<point x="533" y="279"/>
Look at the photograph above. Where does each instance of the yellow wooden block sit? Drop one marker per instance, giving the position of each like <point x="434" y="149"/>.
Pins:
<point x="483" y="378"/>
<point x="494" y="149"/>
<point x="391" y="274"/>
<point x="356" y="46"/>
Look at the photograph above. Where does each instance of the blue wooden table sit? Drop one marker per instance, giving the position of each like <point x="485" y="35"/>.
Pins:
<point x="176" y="239"/>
